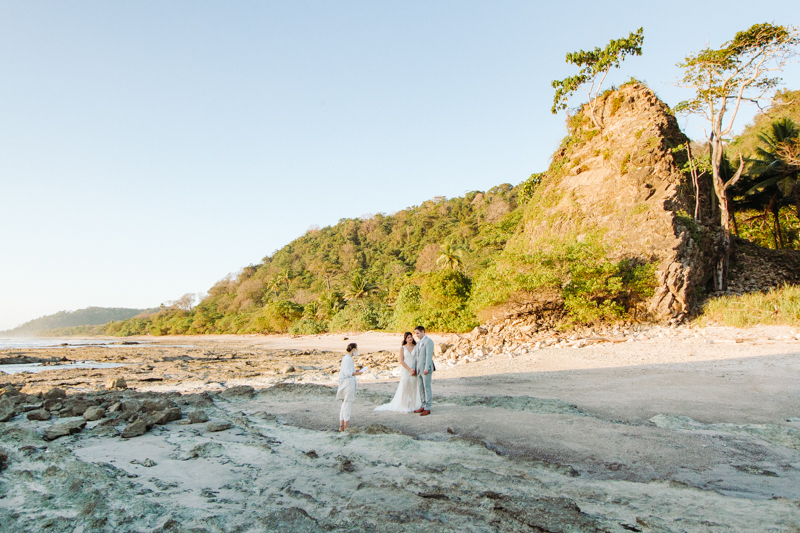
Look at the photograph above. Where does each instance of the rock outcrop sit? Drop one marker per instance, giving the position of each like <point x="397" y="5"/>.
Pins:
<point x="625" y="184"/>
<point x="622" y="187"/>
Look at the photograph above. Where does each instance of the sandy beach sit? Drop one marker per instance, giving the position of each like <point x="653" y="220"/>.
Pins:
<point x="675" y="429"/>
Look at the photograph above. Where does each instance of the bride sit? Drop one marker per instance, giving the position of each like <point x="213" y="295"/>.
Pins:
<point x="407" y="397"/>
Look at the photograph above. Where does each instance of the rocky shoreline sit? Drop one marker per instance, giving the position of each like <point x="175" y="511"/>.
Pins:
<point x="231" y="439"/>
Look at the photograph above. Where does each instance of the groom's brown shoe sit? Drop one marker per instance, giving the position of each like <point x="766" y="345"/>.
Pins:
<point x="425" y="413"/>
<point x="419" y="410"/>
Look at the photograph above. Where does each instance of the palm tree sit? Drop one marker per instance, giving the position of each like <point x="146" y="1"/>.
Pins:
<point x="450" y="257"/>
<point x="330" y="303"/>
<point x="776" y="173"/>
<point x="359" y="289"/>
<point x="285" y="277"/>
<point x="312" y="310"/>
<point x="274" y="284"/>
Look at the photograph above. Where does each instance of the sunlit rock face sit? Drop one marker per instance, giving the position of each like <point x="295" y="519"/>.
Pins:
<point x="623" y="185"/>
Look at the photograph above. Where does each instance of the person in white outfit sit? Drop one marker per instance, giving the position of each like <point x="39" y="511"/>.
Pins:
<point x="407" y="397"/>
<point x="347" y="385"/>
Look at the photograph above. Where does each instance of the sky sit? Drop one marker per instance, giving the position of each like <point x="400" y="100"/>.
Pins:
<point x="148" y="149"/>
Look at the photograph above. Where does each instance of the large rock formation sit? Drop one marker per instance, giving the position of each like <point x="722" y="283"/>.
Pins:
<point x="624" y="183"/>
<point x="622" y="187"/>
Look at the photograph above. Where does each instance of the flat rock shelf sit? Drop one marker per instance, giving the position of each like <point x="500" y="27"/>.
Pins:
<point x="693" y="430"/>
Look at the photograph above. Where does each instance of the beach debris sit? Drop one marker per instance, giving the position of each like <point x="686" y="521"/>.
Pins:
<point x="116" y="383"/>
<point x="147" y="463"/>
<point x="198" y="417"/>
<point x="312" y="454"/>
<point x="93" y="413"/>
<point x="218" y="425"/>
<point x="65" y="428"/>
<point x="136" y="428"/>
<point x="39" y="414"/>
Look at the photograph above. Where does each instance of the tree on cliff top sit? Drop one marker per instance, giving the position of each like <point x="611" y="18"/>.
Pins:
<point x="595" y="63"/>
<point x="742" y="70"/>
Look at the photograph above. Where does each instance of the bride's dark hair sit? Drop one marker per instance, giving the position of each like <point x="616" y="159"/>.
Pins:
<point x="405" y="336"/>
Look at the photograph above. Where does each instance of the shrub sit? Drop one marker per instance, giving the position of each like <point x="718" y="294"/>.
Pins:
<point x="307" y="326"/>
<point x="360" y="318"/>
<point x="444" y="306"/>
<point x="407" y="309"/>
<point x="275" y="317"/>
<point x="591" y="287"/>
<point x="779" y="306"/>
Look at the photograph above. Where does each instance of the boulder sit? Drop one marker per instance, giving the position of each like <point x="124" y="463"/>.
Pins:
<point x="197" y="417"/>
<point x="65" y="428"/>
<point x="218" y="425"/>
<point x="242" y="391"/>
<point x="7" y="409"/>
<point x="130" y="405"/>
<point x="156" y="406"/>
<point x="3" y="460"/>
<point x="167" y="415"/>
<point x="116" y="383"/>
<point x="75" y="407"/>
<point x="287" y="369"/>
<point x="134" y="429"/>
<point x="53" y="405"/>
<point x="54" y="394"/>
<point x="93" y="413"/>
<point x="39" y="414"/>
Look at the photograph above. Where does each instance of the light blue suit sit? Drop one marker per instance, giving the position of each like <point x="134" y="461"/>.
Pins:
<point x="423" y="362"/>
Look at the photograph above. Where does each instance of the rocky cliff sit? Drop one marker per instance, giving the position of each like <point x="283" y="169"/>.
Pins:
<point x="623" y="187"/>
<point x="625" y="183"/>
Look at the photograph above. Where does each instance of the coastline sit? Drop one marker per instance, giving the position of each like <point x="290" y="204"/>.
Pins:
<point x="665" y="433"/>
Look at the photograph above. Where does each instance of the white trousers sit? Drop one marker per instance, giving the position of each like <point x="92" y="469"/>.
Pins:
<point x="344" y="412"/>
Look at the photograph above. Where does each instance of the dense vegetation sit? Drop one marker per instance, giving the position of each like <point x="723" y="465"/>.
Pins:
<point x="766" y="200"/>
<point x="381" y="272"/>
<point x="91" y="316"/>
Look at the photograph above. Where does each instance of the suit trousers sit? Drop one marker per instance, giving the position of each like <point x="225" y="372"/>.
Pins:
<point x="425" y="390"/>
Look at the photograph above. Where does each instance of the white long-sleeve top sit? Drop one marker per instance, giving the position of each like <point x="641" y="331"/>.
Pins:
<point x="347" y="369"/>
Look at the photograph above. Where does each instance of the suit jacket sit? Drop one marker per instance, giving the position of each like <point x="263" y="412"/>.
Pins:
<point x="424" y="359"/>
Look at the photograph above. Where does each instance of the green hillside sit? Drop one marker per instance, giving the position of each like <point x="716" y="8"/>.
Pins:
<point x="451" y="263"/>
<point x="444" y="264"/>
<point x="91" y="316"/>
<point x="382" y="272"/>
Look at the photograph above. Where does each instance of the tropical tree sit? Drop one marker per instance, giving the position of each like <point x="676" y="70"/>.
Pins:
<point x="741" y="70"/>
<point x="285" y="277"/>
<point x="595" y="64"/>
<point x="771" y="163"/>
<point x="359" y="288"/>
<point x="274" y="284"/>
<point x="450" y="258"/>
<point x="330" y="303"/>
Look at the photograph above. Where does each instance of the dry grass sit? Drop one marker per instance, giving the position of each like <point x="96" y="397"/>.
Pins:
<point x="778" y="306"/>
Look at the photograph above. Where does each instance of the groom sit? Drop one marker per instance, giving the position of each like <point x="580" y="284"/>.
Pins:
<point x="423" y="367"/>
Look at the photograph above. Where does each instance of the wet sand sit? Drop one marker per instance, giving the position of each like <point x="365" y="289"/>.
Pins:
<point x="692" y="430"/>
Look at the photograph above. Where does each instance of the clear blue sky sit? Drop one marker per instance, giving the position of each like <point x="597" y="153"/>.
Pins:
<point x="147" y="149"/>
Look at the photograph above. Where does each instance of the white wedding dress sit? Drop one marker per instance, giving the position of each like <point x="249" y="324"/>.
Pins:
<point x="407" y="398"/>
